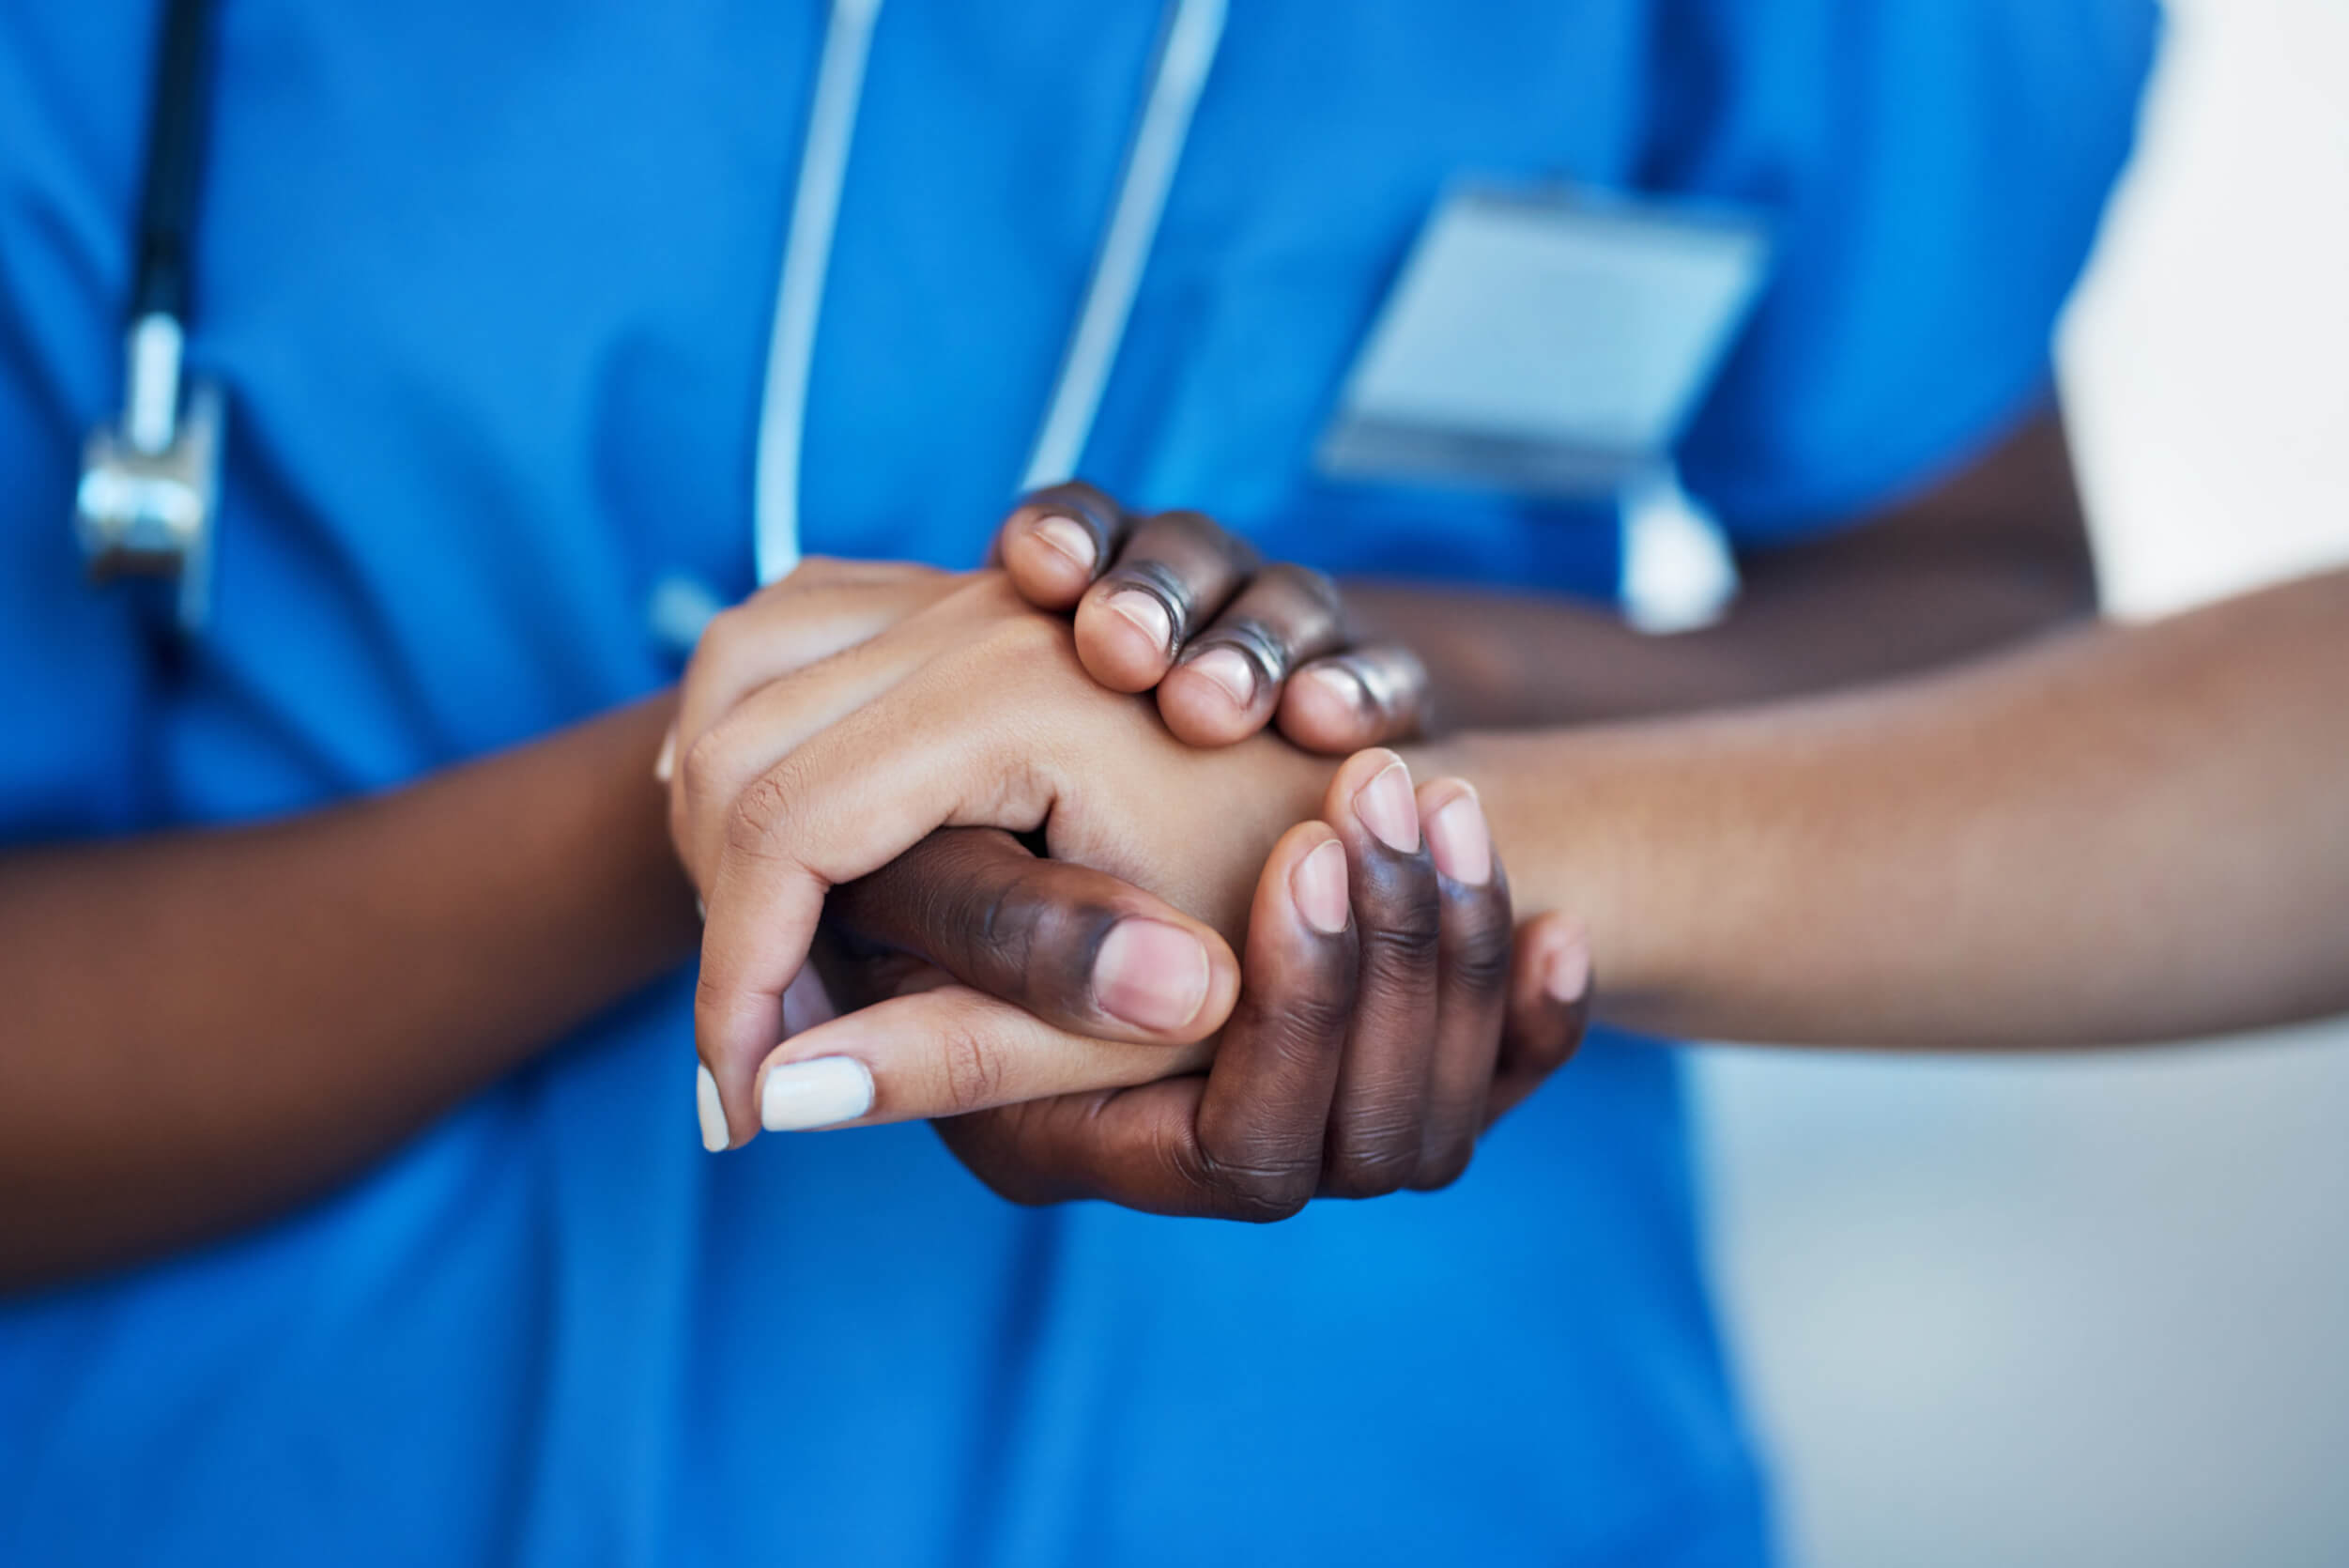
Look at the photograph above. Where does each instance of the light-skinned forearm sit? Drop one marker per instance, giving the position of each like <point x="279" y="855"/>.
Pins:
<point x="204" y="1027"/>
<point x="2131" y="834"/>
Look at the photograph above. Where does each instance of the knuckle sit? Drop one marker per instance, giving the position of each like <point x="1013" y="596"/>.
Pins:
<point x="1257" y="1178"/>
<point x="761" y="809"/>
<point x="1315" y="589"/>
<point x="1264" y="1198"/>
<point x="1445" y="1162"/>
<point x="1196" y="527"/>
<point x="720" y="633"/>
<point x="1367" y="1163"/>
<point x="973" y="1070"/>
<point x="1002" y="936"/>
<point x="1406" y="936"/>
<point x="1023" y="637"/>
<point x="704" y="788"/>
<point x="1313" y="1022"/>
<point x="1478" y="959"/>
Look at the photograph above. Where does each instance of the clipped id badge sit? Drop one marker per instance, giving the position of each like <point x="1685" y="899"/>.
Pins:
<point x="1545" y="342"/>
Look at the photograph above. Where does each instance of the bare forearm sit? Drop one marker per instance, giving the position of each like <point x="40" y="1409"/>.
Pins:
<point x="1507" y="661"/>
<point x="2133" y="833"/>
<point x="204" y="1027"/>
<point x="1994" y="554"/>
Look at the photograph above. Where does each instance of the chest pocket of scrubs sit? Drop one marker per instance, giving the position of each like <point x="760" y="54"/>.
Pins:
<point x="1320" y="149"/>
<point x="1543" y="342"/>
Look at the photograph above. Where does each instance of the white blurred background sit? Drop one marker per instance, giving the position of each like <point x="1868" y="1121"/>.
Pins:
<point x="2095" y="1309"/>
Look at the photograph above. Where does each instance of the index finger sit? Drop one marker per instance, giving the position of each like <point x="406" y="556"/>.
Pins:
<point x="795" y="832"/>
<point x="1058" y="539"/>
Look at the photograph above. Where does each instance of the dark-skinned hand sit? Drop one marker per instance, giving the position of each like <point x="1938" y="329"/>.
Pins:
<point x="1360" y="1058"/>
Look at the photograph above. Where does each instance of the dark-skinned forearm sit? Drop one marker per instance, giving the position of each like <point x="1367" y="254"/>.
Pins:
<point x="204" y="1027"/>
<point x="1994" y="554"/>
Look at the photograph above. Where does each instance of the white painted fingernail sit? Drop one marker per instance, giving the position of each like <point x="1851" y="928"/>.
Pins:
<point x="705" y="1098"/>
<point x="666" y="763"/>
<point x="825" y="1092"/>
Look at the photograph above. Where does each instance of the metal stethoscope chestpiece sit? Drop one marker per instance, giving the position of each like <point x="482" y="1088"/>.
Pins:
<point x="147" y="500"/>
<point x="147" y="503"/>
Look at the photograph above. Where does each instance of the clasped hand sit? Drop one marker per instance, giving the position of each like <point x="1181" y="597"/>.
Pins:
<point x="868" y="757"/>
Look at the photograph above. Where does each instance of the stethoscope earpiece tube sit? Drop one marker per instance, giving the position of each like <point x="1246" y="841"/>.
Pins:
<point x="175" y="162"/>
<point x="1188" y="41"/>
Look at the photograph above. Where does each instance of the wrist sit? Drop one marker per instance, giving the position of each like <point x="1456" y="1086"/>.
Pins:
<point x="629" y="822"/>
<point x="1568" y="813"/>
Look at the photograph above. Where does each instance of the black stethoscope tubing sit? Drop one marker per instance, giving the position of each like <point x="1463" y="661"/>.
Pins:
<point x="166" y="235"/>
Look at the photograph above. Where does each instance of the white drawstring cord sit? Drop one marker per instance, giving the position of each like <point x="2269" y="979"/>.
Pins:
<point x="1186" y="53"/>
<point x="1187" y="50"/>
<point x="799" y="291"/>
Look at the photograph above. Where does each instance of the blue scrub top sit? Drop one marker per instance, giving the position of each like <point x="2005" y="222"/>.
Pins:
<point x="488" y="286"/>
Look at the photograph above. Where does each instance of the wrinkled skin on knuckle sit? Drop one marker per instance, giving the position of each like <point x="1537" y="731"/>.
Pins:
<point x="1258" y="1182"/>
<point x="1372" y="1162"/>
<point x="1042" y="949"/>
<point x="974" y="1069"/>
<point x="1478" y="957"/>
<point x="1264" y="1198"/>
<point x="1310" y="1024"/>
<point x="1407" y="941"/>
<point x="1405" y="919"/>
<point x="761" y="809"/>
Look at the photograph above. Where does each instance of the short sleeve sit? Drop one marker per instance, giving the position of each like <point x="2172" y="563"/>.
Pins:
<point x="1936" y="170"/>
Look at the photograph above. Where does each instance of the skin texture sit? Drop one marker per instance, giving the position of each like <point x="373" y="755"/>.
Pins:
<point x="1996" y="552"/>
<point x="161" y="1081"/>
<point x="1274" y="1121"/>
<point x="208" y="1028"/>
<point x="975" y="712"/>
<point x="2131" y="834"/>
<point x="205" y="1027"/>
<point x="1178" y="602"/>
<point x="979" y="908"/>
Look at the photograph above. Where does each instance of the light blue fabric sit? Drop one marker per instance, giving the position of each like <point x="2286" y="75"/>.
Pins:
<point x="487" y="285"/>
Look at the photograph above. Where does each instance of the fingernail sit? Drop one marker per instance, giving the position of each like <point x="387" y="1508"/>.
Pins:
<point x="1318" y="884"/>
<point x="1232" y="671"/>
<point x="1142" y="608"/>
<point x="1340" y="684"/>
<point x="824" y="1092"/>
<point x="705" y="1100"/>
<point x="1067" y="536"/>
<point x="1386" y="808"/>
<point x="1150" y="974"/>
<point x="1567" y="974"/>
<point x="666" y="763"/>
<point x="1460" y="841"/>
